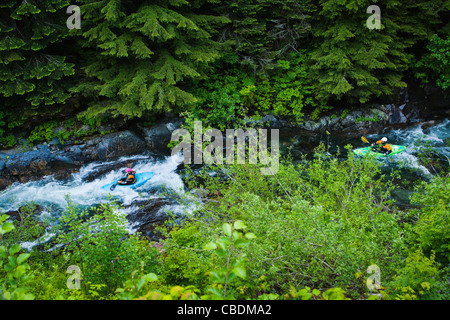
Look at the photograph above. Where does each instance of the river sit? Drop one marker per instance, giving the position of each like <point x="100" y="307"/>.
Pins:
<point x="84" y="186"/>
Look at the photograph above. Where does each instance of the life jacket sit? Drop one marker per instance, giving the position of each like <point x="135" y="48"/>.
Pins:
<point x="131" y="177"/>
<point x="387" y="146"/>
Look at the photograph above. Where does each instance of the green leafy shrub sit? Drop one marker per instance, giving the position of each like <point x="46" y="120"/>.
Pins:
<point x="435" y="64"/>
<point x="226" y="247"/>
<point x="26" y="227"/>
<point x="184" y="267"/>
<point x="99" y="244"/>
<point x="419" y="278"/>
<point x="430" y="231"/>
<point x="8" y="141"/>
<point x="287" y="92"/>
<point x="229" y="95"/>
<point x="14" y="269"/>
<point x="43" y="132"/>
<point x="317" y="223"/>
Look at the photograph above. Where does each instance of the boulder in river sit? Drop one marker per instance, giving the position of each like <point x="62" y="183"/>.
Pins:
<point x="113" y="145"/>
<point x="147" y="215"/>
<point x="158" y="136"/>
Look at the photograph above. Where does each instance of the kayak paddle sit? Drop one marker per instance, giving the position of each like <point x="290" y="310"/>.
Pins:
<point x="364" y="139"/>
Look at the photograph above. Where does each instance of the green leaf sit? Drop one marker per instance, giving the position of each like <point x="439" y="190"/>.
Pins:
<point x="226" y="227"/>
<point x="140" y="283"/>
<point x="231" y="276"/>
<point x="216" y="277"/>
<point x="250" y="235"/>
<point x="210" y="246"/>
<point x="3" y="217"/>
<point x="151" y="277"/>
<point x="215" y="292"/>
<point x="239" y="243"/>
<point x="3" y="252"/>
<point x="239" y="225"/>
<point x="240" y="272"/>
<point x="20" y="270"/>
<point x="6" y="227"/>
<point x="14" y="249"/>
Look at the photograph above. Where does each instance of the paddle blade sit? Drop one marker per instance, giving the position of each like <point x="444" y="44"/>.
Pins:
<point x="113" y="187"/>
<point x="364" y="139"/>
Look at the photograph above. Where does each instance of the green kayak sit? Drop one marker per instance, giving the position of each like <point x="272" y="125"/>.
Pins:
<point x="368" y="151"/>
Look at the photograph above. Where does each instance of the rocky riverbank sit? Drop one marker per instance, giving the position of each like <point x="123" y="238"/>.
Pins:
<point x="22" y="164"/>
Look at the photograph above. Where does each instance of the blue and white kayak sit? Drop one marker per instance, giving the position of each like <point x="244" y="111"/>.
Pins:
<point x="141" y="178"/>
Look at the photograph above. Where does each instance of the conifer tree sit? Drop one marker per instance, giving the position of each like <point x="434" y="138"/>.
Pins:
<point x="143" y="54"/>
<point x="266" y="30"/>
<point x="351" y="61"/>
<point x="30" y="70"/>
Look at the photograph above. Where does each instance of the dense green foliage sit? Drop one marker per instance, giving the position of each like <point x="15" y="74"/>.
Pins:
<point x="315" y="224"/>
<point x="219" y="61"/>
<point x="436" y="59"/>
<point x="33" y="69"/>
<point x="143" y="53"/>
<point x="311" y="231"/>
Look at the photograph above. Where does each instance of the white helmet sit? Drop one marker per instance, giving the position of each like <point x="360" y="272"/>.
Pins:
<point x="384" y="139"/>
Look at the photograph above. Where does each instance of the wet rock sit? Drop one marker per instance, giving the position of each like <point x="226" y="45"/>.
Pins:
<point x="113" y="145"/>
<point x="311" y="125"/>
<point x="65" y="174"/>
<point x="348" y="121"/>
<point x="334" y="122"/>
<point x="21" y="165"/>
<point x="424" y="125"/>
<point x="396" y="115"/>
<point x="34" y="210"/>
<point x="159" y="135"/>
<point x="148" y="216"/>
<point x="273" y="122"/>
<point x="354" y="121"/>
<point x="29" y="162"/>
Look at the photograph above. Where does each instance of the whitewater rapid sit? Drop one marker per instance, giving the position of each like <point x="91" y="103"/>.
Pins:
<point x="417" y="140"/>
<point x="51" y="194"/>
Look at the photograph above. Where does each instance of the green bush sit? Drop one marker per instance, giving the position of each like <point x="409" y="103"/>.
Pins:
<point x="419" y="278"/>
<point x="43" y="132"/>
<point x="431" y="230"/>
<point x="98" y="242"/>
<point x="14" y="269"/>
<point x="317" y="224"/>
<point x="184" y="262"/>
<point x="229" y="94"/>
<point x="435" y="64"/>
<point x="8" y="141"/>
<point x="287" y="92"/>
<point x="26" y="227"/>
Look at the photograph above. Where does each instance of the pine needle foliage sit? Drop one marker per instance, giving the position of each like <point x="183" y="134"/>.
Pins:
<point x="351" y="61"/>
<point x="32" y="74"/>
<point x="143" y="54"/>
